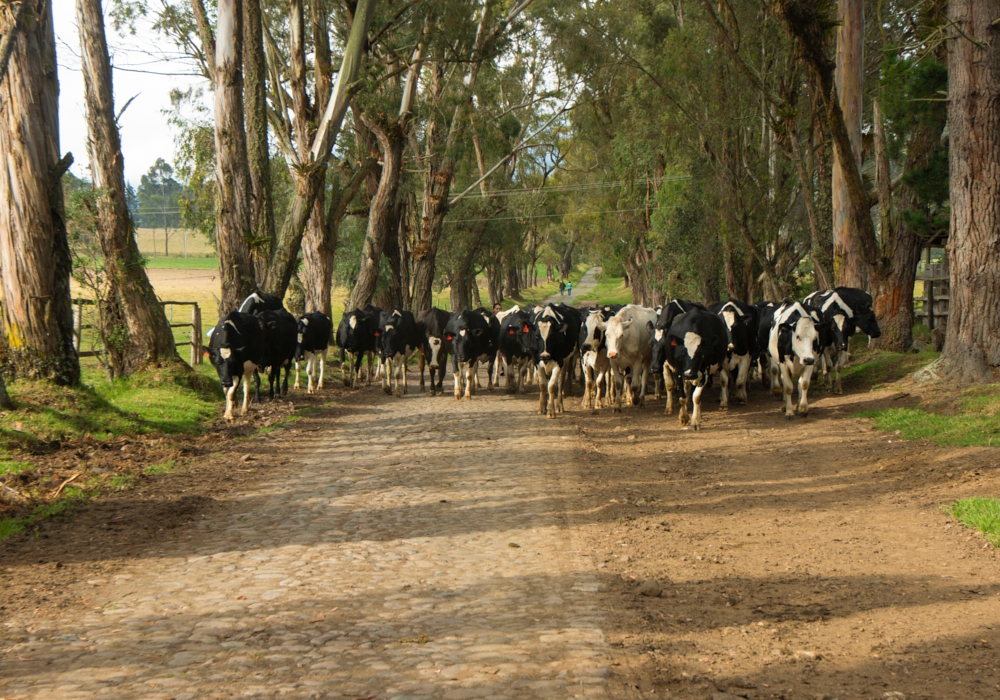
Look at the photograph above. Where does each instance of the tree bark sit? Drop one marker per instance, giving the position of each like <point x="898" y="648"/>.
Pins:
<point x="972" y="345"/>
<point x="258" y="153"/>
<point x="233" y="191"/>
<point x="847" y="261"/>
<point x="35" y="261"/>
<point x="148" y="337"/>
<point x="382" y="213"/>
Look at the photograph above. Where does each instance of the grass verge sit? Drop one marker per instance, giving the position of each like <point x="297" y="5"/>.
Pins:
<point x="982" y="514"/>
<point x="71" y="496"/>
<point x="609" y="291"/>
<point x="875" y="370"/>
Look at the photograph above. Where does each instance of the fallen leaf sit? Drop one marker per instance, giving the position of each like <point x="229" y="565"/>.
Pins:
<point x="241" y="597"/>
<point x="513" y="545"/>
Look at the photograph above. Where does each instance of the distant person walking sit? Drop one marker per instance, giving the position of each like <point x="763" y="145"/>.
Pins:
<point x="562" y="287"/>
<point x="569" y="288"/>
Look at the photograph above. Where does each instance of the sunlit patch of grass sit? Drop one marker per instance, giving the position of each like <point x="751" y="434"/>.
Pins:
<point x="609" y="291"/>
<point x="70" y="497"/>
<point x="878" y="369"/>
<point x="971" y="419"/>
<point x="982" y="514"/>
<point x="120" y="482"/>
<point x="13" y="466"/>
<point x="161" y="468"/>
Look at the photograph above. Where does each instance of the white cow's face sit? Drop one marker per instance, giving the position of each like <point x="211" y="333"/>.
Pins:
<point x="804" y="340"/>
<point x="353" y="322"/>
<point x="613" y="333"/>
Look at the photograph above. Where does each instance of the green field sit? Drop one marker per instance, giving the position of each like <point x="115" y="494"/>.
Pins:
<point x="174" y="263"/>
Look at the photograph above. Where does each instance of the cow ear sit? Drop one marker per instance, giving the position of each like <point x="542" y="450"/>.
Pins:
<point x="477" y="332"/>
<point x="649" y="326"/>
<point x="564" y="328"/>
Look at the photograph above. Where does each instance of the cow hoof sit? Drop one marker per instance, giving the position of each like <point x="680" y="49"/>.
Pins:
<point x="838" y="391"/>
<point x="789" y="416"/>
<point x="696" y="426"/>
<point x="724" y="408"/>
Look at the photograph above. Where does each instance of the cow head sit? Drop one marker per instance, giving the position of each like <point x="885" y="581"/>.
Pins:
<point x="551" y="329"/>
<point x="662" y="350"/>
<point x="614" y="331"/>
<point x="225" y="351"/>
<point x="592" y="332"/>
<point x="303" y="327"/>
<point x="464" y="338"/>
<point x="841" y="327"/>
<point x="865" y="320"/>
<point x="802" y="338"/>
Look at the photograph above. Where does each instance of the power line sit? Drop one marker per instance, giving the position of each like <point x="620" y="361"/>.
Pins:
<point x="548" y="216"/>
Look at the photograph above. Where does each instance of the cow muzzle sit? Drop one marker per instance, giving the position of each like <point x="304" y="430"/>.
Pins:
<point x="546" y="356"/>
<point x="612" y="354"/>
<point x="808" y="360"/>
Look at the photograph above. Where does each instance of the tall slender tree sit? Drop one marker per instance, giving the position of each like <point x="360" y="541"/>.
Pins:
<point x="35" y="261"/>
<point x="972" y="346"/>
<point x="128" y="298"/>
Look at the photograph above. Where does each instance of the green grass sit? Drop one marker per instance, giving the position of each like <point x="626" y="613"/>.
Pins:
<point x="13" y="466"/>
<point x="161" y="468"/>
<point x="971" y="419"/>
<point x="70" y="497"/>
<point x="173" y="263"/>
<point x="169" y="400"/>
<point x="609" y="291"/>
<point x="981" y="514"/>
<point x="120" y="482"/>
<point x="882" y="368"/>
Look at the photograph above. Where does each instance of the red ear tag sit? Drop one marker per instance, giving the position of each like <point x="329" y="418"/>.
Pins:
<point x="510" y="331"/>
<point x="673" y="341"/>
<point x="449" y="336"/>
<point x="527" y="330"/>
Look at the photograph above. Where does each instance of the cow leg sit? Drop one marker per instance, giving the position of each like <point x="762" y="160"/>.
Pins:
<point x="642" y="383"/>
<point x="552" y="387"/>
<point x="723" y="389"/>
<point x="296" y="384"/>
<point x="804" y="380"/>
<point x="284" y="384"/>
<point x="787" y="385"/>
<point x="230" y="392"/>
<point x="671" y="389"/>
<point x="684" y="414"/>
<point x="617" y="379"/>
<point x="837" y="369"/>
<point x="322" y="367"/>
<point x="588" y="384"/>
<point x="457" y="375"/>
<point x="776" y="381"/>
<point x="473" y="382"/>
<point x="543" y="395"/>
<point x="246" y="394"/>
<point x="345" y="359"/>
<point x="420" y="366"/>
<point x="696" y="400"/>
<point x="742" y="378"/>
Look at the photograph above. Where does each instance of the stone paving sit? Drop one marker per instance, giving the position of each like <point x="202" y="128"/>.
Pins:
<point x="407" y="552"/>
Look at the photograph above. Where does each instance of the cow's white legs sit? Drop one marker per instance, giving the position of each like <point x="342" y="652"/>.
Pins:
<point x="671" y="388"/>
<point x="804" y="380"/>
<point x="554" y="389"/>
<point x="643" y="375"/>
<point x="696" y="400"/>
<point x="246" y="396"/>
<point x="322" y="368"/>
<point x="588" y="385"/>
<point x="296" y="384"/>
<point x="775" y="373"/>
<point x="230" y="392"/>
<point x="617" y="379"/>
<point x="684" y="414"/>
<point x="787" y="386"/>
<point x="742" y="378"/>
<point x="457" y="376"/>
<point x="724" y="389"/>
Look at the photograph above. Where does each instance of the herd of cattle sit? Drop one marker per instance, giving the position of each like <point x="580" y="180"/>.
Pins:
<point x="682" y="345"/>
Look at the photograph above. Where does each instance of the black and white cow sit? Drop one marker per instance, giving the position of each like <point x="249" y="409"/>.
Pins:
<point x="260" y="301"/>
<point x="662" y="351"/>
<point x="280" y="340"/>
<point x="846" y="310"/>
<point x="741" y="324"/>
<point x="356" y="337"/>
<point x="765" y="316"/>
<point x="511" y="351"/>
<point x="236" y="350"/>
<point x="313" y="343"/>
<point x="554" y="336"/>
<point x="700" y="342"/>
<point x="399" y="338"/>
<point x="793" y="346"/>
<point x="472" y="342"/>
<point x="627" y="336"/>
<point x="435" y="348"/>
<point x="594" y="361"/>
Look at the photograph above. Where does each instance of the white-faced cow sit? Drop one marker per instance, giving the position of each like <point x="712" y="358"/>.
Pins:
<point x="280" y="338"/>
<point x="699" y="341"/>
<point x="236" y="350"/>
<point x="793" y="346"/>
<point x="741" y="324"/>
<point x="356" y="339"/>
<point x="847" y="310"/>
<point x="435" y="349"/>
<point x="511" y="351"/>
<point x="627" y="336"/>
<point x="399" y="339"/>
<point x="555" y="331"/>
<point x="594" y="361"/>
<point x="471" y="341"/>
<point x="313" y="342"/>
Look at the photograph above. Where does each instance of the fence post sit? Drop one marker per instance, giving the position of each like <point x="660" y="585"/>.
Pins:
<point x="77" y="324"/>
<point x="929" y="303"/>
<point x="196" y="350"/>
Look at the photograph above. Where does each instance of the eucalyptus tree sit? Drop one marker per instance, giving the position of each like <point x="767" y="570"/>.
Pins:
<point x="35" y="263"/>
<point x="135" y="329"/>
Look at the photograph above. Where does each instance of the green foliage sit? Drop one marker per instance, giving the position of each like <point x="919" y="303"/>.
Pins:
<point x="71" y="496"/>
<point x="973" y="419"/>
<point x="195" y="160"/>
<point x="158" y="197"/>
<point x="874" y="371"/>
<point x="161" y="468"/>
<point x="982" y="514"/>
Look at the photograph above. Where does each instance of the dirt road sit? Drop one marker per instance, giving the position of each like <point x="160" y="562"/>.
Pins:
<point x="586" y="283"/>
<point x="384" y="548"/>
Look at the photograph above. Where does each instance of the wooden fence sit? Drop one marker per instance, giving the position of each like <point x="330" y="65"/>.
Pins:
<point x="936" y="296"/>
<point x="195" y="342"/>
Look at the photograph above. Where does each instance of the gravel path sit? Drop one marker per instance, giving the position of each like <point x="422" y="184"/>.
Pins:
<point x="586" y="283"/>
<point x="404" y="552"/>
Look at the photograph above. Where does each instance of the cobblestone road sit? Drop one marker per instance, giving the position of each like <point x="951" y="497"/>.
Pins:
<point x="406" y="552"/>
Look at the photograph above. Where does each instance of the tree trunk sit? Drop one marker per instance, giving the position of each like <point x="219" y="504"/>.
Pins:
<point x="566" y="265"/>
<point x="849" y="268"/>
<point x="35" y="261"/>
<point x="382" y="214"/>
<point x="972" y="346"/>
<point x="258" y="153"/>
<point x="233" y="195"/>
<point x="148" y="337"/>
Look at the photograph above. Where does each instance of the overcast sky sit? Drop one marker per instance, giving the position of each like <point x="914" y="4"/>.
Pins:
<point x="145" y="133"/>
